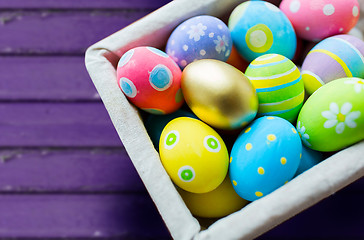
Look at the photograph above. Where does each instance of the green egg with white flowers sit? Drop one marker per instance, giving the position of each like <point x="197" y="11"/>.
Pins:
<point x="332" y="118"/>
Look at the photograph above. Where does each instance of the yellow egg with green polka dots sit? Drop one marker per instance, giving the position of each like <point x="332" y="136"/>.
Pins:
<point x="264" y="157"/>
<point x="193" y="154"/>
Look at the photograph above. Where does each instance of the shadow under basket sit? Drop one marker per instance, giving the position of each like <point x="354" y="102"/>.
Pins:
<point x="257" y="217"/>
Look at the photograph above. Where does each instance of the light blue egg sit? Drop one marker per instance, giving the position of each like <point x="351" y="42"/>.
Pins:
<point x="309" y="159"/>
<point x="264" y="157"/>
<point x="258" y="28"/>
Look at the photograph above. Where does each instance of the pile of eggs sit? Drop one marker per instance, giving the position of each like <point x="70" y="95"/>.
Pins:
<point x="236" y="112"/>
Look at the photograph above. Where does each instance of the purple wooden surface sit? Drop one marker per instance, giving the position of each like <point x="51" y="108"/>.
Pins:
<point x="45" y="78"/>
<point x="56" y="125"/>
<point x="59" y="32"/>
<point x="44" y="216"/>
<point x="337" y="217"/>
<point x="82" y="4"/>
<point x="68" y="170"/>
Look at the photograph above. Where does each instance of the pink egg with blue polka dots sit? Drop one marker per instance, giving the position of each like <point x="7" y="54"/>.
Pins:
<point x="151" y="80"/>
<point x="315" y="20"/>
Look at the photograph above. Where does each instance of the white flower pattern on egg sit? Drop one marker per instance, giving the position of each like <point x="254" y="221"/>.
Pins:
<point x="340" y="117"/>
<point x="196" y="31"/>
<point x="221" y="43"/>
<point x="302" y="132"/>
<point x="358" y="84"/>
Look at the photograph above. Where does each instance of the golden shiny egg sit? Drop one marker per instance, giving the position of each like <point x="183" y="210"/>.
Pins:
<point x="219" y="94"/>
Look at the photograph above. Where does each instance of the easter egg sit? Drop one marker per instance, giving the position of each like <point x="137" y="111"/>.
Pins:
<point x="315" y="20"/>
<point x="150" y="79"/>
<point x="155" y="124"/>
<point x="279" y="86"/>
<point x="309" y="159"/>
<point x="219" y="94"/>
<point x="201" y="37"/>
<point x="264" y="157"/>
<point x="258" y="28"/>
<point x="193" y="154"/>
<point x="236" y="60"/>
<point x="334" y="57"/>
<point x="218" y="203"/>
<point x="333" y="117"/>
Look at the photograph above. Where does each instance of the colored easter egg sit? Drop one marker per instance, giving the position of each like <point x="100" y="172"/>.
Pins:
<point x="201" y="37"/>
<point x="264" y="157"/>
<point x="218" y="203"/>
<point x="236" y="60"/>
<point x="309" y="158"/>
<point x="219" y="94"/>
<point x="333" y="117"/>
<point x="334" y="57"/>
<point x="279" y="86"/>
<point x="258" y="28"/>
<point x="315" y="20"/>
<point x="193" y="154"/>
<point x="155" y="124"/>
<point x="150" y="79"/>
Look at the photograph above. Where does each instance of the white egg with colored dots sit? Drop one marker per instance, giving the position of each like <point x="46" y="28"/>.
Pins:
<point x="264" y="157"/>
<point x="193" y="154"/>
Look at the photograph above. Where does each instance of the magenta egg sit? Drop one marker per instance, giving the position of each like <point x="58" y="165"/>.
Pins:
<point x="315" y="20"/>
<point x="151" y="80"/>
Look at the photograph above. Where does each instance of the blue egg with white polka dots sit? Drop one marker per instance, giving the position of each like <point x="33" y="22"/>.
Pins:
<point x="201" y="37"/>
<point x="264" y="157"/>
<point x="259" y="27"/>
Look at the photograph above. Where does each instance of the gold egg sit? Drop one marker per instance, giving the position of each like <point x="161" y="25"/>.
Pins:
<point x="219" y="94"/>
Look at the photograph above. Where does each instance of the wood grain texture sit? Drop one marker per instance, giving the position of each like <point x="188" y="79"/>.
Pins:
<point x="81" y="4"/>
<point x="80" y="216"/>
<point x="56" y="125"/>
<point x="68" y="170"/>
<point x="59" y="32"/>
<point x="45" y="78"/>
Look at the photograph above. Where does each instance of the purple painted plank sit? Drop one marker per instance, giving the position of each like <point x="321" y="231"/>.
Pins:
<point x="59" y="32"/>
<point x="340" y="216"/>
<point x="56" y="125"/>
<point x="68" y="170"/>
<point x="72" y="4"/>
<point x="45" y="78"/>
<point x="45" y="216"/>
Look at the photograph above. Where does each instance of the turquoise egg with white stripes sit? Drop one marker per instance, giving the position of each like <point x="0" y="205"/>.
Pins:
<point x="259" y="27"/>
<point x="278" y="84"/>
<point x="265" y="156"/>
<point x="335" y="57"/>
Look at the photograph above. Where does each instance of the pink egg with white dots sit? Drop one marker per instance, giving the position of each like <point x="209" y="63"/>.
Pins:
<point x="151" y="80"/>
<point x="315" y="20"/>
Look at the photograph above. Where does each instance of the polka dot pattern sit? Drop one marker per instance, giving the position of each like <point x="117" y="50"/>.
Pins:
<point x="161" y="77"/>
<point x="327" y="18"/>
<point x="212" y="144"/>
<point x="128" y="87"/>
<point x="171" y="139"/>
<point x="328" y="9"/>
<point x="262" y="161"/>
<point x="186" y="173"/>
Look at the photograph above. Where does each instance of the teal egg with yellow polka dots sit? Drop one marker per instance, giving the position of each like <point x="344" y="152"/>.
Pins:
<point x="264" y="157"/>
<point x="279" y="86"/>
<point x="259" y="27"/>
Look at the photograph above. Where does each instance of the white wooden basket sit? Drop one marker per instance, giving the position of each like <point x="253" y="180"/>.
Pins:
<point x="256" y="218"/>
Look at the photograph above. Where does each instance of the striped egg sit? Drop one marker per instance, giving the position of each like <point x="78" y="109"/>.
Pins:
<point x="333" y="58"/>
<point x="278" y="84"/>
